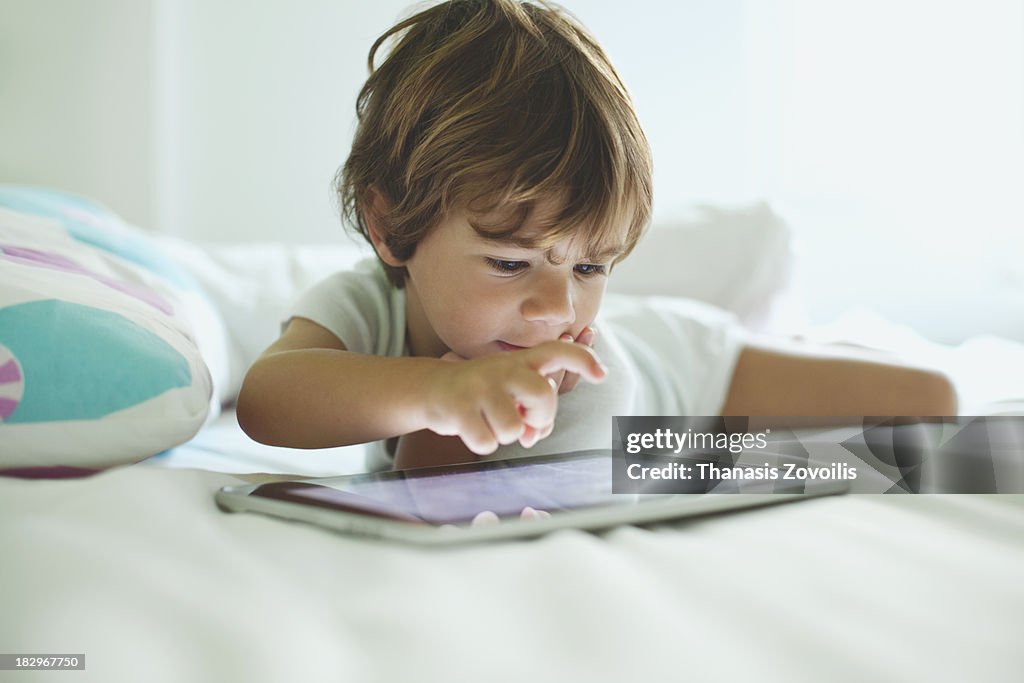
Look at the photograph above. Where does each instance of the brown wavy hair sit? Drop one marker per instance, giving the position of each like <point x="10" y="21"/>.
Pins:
<point x="495" y="104"/>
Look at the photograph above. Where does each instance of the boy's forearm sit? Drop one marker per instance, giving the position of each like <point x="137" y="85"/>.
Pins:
<point x="343" y="398"/>
<point x="779" y="381"/>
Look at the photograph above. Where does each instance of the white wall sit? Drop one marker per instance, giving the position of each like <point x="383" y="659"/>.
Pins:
<point x="889" y="133"/>
<point x="75" y="99"/>
<point x="257" y="110"/>
<point x="893" y="140"/>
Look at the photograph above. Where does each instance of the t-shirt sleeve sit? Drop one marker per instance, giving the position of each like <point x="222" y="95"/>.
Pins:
<point x="359" y="307"/>
<point x="685" y="351"/>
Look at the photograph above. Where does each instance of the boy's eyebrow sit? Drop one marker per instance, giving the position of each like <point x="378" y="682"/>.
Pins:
<point x="607" y="253"/>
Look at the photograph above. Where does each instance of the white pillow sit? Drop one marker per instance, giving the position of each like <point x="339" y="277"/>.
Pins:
<point x="736" y="258"/>
<point x="102" y="340"/>
<point x="254" y="287"/>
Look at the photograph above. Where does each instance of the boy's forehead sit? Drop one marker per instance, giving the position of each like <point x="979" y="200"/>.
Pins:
<point x="540" y="214"/>
<point x="539" y="229"/>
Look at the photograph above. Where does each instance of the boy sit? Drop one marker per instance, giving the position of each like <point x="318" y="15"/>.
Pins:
<point x="500" y="173"/>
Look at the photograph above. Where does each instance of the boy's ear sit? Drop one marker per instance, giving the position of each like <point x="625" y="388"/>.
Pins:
<point x="376" y="206"/>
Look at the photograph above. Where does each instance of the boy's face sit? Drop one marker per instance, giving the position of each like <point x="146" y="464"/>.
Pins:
<point x="475" y="296"/>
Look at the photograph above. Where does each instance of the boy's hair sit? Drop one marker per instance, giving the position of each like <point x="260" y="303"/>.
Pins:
<point x="495" y="104"/>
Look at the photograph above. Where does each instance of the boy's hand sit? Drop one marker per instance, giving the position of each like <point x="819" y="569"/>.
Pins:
<point x="505" y="397"/>
<point x="567" y="381"/>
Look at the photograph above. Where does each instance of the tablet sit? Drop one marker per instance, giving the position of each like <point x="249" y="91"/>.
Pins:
<point x="438" y="505"/>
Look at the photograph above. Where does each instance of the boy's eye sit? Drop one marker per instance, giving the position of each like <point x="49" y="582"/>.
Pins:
<point x="590" y="269"/>
<point x="504" y="266"/>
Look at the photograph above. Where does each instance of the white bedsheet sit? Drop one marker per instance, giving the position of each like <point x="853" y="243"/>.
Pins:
<point x="139" y="570"/>
<point x="222" y="446"/>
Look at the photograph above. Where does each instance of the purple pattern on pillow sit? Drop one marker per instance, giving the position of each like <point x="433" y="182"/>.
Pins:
<point x="7" y="407"/>
<point x="58" y="262"/>
<point x="9" y="372"/>
<point x="54" y="472"/>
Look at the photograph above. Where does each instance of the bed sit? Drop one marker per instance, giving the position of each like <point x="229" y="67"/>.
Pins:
<point x="136" y="568"/>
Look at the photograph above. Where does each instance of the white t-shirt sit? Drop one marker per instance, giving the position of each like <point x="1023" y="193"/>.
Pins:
<point x="665" y="356"/>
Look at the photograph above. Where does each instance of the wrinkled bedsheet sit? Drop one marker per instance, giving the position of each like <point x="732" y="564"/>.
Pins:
<point x="138" y="569"/>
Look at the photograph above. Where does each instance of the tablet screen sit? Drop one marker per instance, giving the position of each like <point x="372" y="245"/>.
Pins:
<point x="456" y="494"/>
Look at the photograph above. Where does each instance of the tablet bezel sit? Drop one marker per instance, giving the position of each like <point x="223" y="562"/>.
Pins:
<point x="655" y="508"/>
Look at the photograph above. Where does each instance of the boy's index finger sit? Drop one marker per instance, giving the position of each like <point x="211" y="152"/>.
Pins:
<point x="560" y="355"/>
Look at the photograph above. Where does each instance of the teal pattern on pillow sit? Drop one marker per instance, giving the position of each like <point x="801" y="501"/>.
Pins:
<point x="59" y="347"/>
<point x="92" y="223"/>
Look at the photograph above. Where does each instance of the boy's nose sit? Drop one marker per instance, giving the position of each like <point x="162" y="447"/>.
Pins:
<point x="550" y="302"/>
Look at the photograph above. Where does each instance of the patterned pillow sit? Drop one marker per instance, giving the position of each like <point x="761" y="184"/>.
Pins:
<point x="104" y="343"/>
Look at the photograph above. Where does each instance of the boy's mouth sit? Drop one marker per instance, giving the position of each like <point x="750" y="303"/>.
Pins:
<point x="506" y="346"/>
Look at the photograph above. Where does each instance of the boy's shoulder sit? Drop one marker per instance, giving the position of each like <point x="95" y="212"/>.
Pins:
<point x="360" y="306"/>
<point x="365" y="278"/>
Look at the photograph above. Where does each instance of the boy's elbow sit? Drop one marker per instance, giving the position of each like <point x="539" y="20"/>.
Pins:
<point x="250" y="412"/>
<point x="924" y="392"/>
<point x="939" y="393"/>
<point x="247" y="416"/>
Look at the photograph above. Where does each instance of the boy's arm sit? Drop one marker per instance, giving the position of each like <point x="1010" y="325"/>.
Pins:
<point x="783" y="381"/>
<point x="308" y="391"/>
